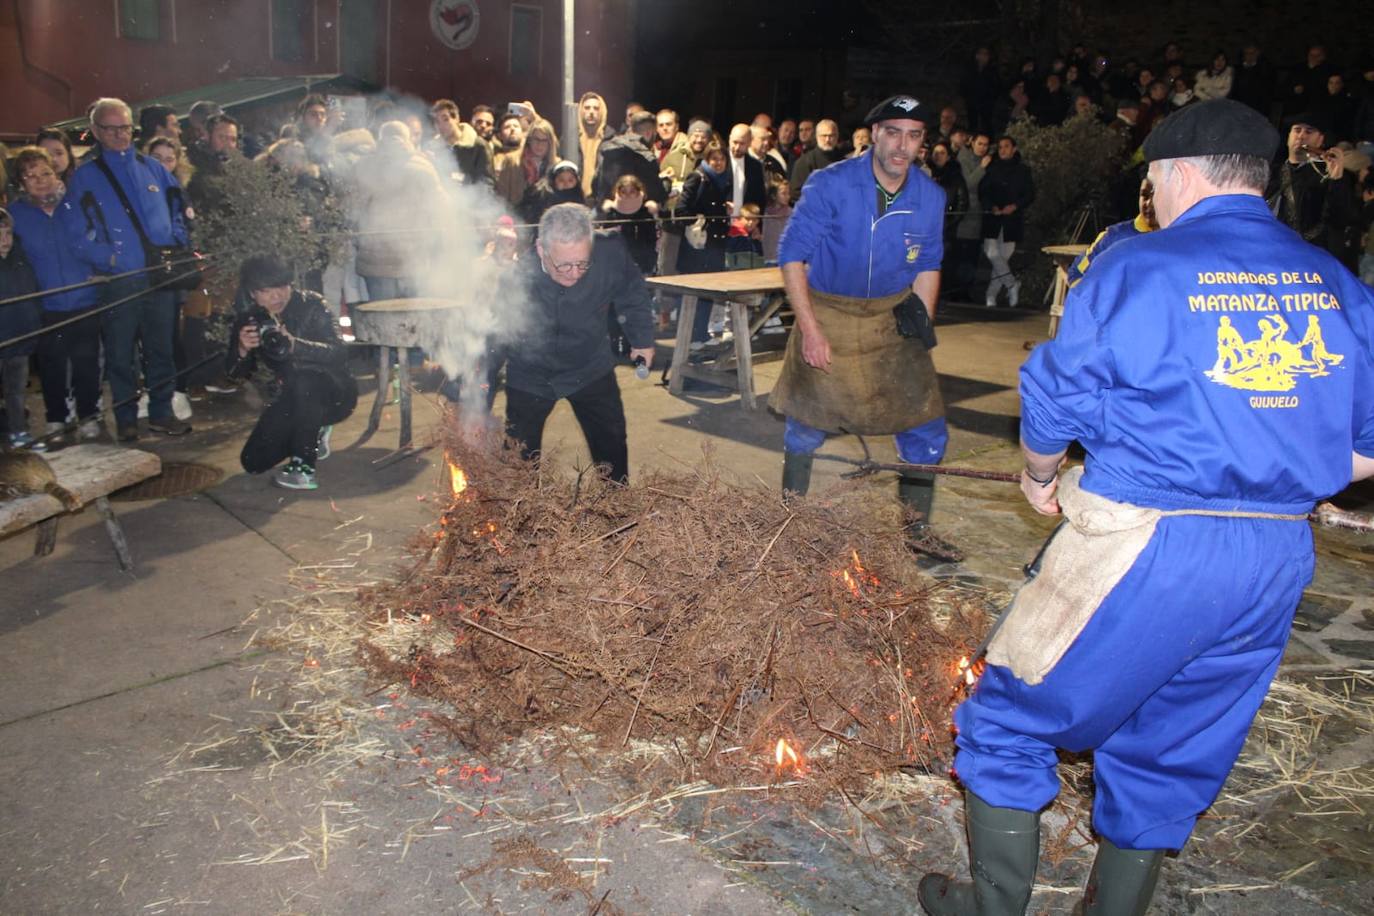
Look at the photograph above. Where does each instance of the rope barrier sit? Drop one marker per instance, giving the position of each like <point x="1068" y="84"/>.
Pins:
<point x="96" y="311"/>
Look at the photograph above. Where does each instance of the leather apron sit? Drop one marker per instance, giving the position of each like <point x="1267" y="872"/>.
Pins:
<point x="879" y="382"/>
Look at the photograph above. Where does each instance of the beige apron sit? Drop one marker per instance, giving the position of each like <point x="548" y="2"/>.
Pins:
<point x="1086" y="560"/>
<point x="879" y="382"/>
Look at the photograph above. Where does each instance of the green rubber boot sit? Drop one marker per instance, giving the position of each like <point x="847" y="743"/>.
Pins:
<point x="1122" y="881"/>
<point x="796" y="472"/>
<point x="917" y="494"/>
<point x="1004" y="851"/>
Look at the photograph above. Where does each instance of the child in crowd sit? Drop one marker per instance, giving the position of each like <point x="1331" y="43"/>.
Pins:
<point x="636" y="219"/>
<point x="744" y="241"/>
<point x="16" y="319"/>
<point x="776" y="215"/>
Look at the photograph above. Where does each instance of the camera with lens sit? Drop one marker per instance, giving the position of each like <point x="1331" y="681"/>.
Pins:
<point x="272" y="340"/>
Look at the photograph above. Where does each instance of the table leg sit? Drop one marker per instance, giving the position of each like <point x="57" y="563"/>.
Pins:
<point x="403" y="382"/>
<point x="47" y="537"/>
<point x="383" y="387"/>
<point x="116" y="533"/>
<point x="686" y="316"/>
<point x="744" y="358"/>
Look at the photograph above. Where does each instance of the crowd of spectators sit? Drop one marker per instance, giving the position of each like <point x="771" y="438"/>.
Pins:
<point x="686" y="195"/>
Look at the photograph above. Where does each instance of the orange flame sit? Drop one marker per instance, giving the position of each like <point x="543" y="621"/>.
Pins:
<point x="785" y="755"/>
<point x="458" y="481"/>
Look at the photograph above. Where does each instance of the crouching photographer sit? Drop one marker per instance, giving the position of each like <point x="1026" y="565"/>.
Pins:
<point x="292" y="333"/>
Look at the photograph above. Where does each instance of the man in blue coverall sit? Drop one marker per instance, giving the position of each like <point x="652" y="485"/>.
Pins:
<point x="104" y="236"/>
<point x="1218" y="462"/>
<point x="865" y="236"/>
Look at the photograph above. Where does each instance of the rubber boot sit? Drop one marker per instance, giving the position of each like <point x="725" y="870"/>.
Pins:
<point x="917" y="494"/>
<point x="1004" y="851"/>
<point x="796" y="472"/>
<point x="1122" y="881"/>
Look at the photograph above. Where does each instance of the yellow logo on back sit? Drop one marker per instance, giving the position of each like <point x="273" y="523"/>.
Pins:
<point x="1271" y="362"/>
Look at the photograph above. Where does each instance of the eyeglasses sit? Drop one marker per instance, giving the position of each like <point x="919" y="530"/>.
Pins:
<point x="568" y="267"/>
<point x="116" y="128"/>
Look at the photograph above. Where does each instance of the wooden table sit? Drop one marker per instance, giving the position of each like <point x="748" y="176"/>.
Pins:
<point x="91" y="472"/>
<point x="1063" y="257"/>
<point x="396" y="324"/>
<point x="744" y="292"/>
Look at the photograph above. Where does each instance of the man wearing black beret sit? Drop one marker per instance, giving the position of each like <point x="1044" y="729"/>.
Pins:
<point x="865" y="239"/>
<point x="1216" y="373"/>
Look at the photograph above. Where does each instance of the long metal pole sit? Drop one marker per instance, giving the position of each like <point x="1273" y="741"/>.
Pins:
<point x="570" y="144"/>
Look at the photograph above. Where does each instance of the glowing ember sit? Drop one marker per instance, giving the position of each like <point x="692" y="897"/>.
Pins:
<point x="785" y="755"/>
<point x="458" y="481"/>
<point x="969" y="672"/>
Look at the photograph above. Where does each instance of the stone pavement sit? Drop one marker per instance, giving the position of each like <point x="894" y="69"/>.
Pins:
<point x="143" y="734"/>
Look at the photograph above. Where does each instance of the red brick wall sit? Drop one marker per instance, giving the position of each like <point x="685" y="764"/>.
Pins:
<point x="58" y="55"/>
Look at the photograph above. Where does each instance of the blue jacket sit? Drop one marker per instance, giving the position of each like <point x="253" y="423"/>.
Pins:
<point x="17" y="318"/>
<point x="852" y="251"/>
<point x="53" y="259"/>
<point x="96" y="225"/>
<point x="1116" y="232"/>
<point x="1221" y="363"/>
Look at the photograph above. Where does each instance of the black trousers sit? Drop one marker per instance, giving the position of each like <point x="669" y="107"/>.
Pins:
<point x="77" y="345"/>
<point x="599" y="412"/>
<point x="290" y="426"/>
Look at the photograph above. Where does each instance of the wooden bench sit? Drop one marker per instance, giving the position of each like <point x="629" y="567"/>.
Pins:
<point x="91" y="473"/>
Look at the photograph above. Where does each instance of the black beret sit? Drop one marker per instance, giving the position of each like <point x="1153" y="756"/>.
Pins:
<point x="1216" y="127"/>
<point x="896" y="108"/>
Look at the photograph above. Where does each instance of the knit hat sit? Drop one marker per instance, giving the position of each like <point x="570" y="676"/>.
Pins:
<point x="561" y="165"/>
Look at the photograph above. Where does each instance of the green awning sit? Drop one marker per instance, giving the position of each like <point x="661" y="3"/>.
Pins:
<point x="241" y="94"/>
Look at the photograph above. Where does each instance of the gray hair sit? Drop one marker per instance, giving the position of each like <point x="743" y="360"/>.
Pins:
<point x="564" y="223"/>
<point x="394" y="132"/>
<point x="110" y="104"/>
<point x="1232" y="170"/>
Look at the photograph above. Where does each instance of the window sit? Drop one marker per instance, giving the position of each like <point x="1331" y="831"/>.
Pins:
<point x="140" y="19"/>
<point x="290" y="26"/>
<point x="526" y="34"/>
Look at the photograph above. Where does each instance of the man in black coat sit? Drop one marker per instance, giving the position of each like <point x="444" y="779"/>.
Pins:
<point x="748" y="184"/>
<point x="563" y="350"/>
<point x="468" y="155"/>
<point x="825" y="152"/>
<point x="631" y="153"/>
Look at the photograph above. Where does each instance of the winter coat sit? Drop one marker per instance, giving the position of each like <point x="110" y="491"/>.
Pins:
<point x="704" y="194"/>
<point x="317" y="347"/>
<point x="588" y="145"/>
<point x="813" y="160"/>
<point x="639" y="230"/>
<point x="539" y="197"/>
<point x="951" y="178"/>
<point x="94" y="221"/>
<point x="1209" y="85"/>
<point x="971" y="224"/>
<point x="564" y="345"/>
<point x="399" y="201"/>
<point x="54" y="261"/>
<point x="628" y="154"/>
<point x="17" y="279"/>
<point x="1007" y="181"/>
<point x="469" y="159"/>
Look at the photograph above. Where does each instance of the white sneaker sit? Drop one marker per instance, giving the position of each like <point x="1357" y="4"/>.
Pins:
<point x="323" y="450"/>
<point x="143" y="406"/>
<point x="181" y="405"/>
<point x="90" y="430"/>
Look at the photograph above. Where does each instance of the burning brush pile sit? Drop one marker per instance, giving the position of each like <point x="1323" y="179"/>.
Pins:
<point x="756" y="639"/>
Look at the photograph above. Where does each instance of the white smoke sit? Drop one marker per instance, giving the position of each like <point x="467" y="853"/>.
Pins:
<point x="436" y="232"/>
